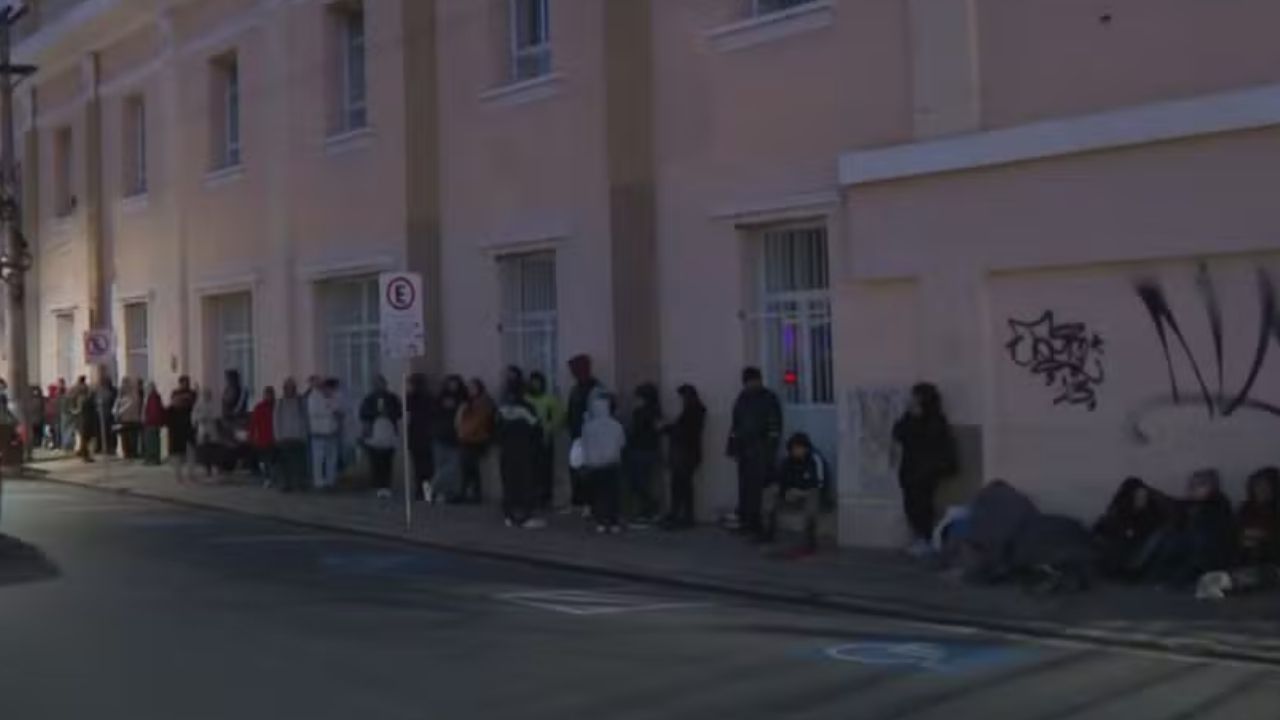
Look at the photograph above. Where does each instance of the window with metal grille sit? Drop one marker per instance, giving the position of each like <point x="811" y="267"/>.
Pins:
<point x="137" y="345"/>
<point x="530" y="325"/>
<point x="231" y="337"/>
<point x="530" y="22"/>
<point x="352" y="109"/>
<point x="791" y="325"/>
<point x="349" y="322"/>
<point x="65" y="324"/>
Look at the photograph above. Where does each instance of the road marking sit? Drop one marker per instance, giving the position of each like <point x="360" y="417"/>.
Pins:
<point x="593" y="602"/>
<point x="94" y="508"/>
<point x="263" y="539"/>
<point x="933" y="655"/>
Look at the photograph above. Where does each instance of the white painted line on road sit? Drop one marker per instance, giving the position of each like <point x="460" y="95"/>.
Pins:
<point x="262" y="539"/>
<point x="592" y="602"/>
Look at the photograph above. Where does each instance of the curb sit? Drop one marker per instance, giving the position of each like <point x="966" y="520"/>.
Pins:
<point x="1185" y="648"/>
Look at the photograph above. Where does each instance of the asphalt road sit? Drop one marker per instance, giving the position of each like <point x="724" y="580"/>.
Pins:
<point x="161" y="612"/>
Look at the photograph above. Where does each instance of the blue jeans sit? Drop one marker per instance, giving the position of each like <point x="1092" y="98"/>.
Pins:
<point x="324" y="461"/>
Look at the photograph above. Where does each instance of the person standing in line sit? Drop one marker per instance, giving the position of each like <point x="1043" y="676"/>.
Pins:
<point x="128" y="413"/>
<point x="323" y="428"/>
<point x="446" y="482"/>
<point x="82" y="407"/>
<point x="182" y="402"/>
<point x="53" y="418"/>
<point x="550" y="417"/>
<point x="603" y="440"/>
<point x="475" y="431"/>
<point x="289" y="429"/>
<point x="106" y="400"/>
<point x="233" y="422"/>
<point x="262" y="437"/>
<point x="420" y="406"/>
<point x="644" y="449"/>
<point x="35" y="421"/>
<point x="753" y="444"/>
<point x="380" y="415"/>
<point x="928" y="456"/>
<point x="519" y="436"/>
<point x="585" y="387"/>
<point x="349" y="426"/>
<point x="206" y="416"/>
<point x="153" y="421"/>
<point x="68" y="424"/>
<point x="685" y="456"/>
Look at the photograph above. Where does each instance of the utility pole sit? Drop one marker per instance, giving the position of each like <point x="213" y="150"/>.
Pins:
<point x="15" y="258"/>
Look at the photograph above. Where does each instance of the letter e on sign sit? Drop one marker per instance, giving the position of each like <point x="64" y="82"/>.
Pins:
<point x="400" y="315"/>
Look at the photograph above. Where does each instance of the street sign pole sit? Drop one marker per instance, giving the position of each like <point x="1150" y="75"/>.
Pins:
<point x="403" y="338"/>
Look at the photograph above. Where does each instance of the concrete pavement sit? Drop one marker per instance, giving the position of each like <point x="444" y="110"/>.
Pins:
<point x="159" y="611"/>
<point x="884" y="583"/>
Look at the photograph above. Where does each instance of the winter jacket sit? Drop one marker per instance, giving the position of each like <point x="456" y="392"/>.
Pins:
<point x="290" y="420"/>
<point x="322" y="414"/>
<point x="444" y="422"/>
<point x="181" y="403"/>
<point x="603" y="437"/>
<point x="757" y="426"/>
<point x="421" y="409"/>
<point x="128" y="409"/>
<point x="205" y="416"/>
<point x="686" y="438"/>
<point x="928" y="450"/>
<point x="519" y="435"/>
<point x="645" y="433"/>
<point x="475" y="421"/>
<point x="550" y="414"/>
<point x="154" y="415"/>
<point x="380" y="415"/>
<point x="810" y="473"/>
<point x="580" y="398"/>
<point x="262" y="432"/>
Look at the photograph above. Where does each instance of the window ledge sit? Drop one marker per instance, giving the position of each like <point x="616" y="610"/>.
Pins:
<point x="524" y="91"/>
<point x="223" y="176"/>
<point x="772" y="26"/>
<point x="135" y="203"/>
<point x="345" y="141"/>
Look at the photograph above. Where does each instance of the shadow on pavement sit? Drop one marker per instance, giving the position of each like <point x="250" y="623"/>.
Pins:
<point x="22" y="563"/>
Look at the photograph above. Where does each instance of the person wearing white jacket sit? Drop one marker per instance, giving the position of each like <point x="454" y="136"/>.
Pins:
<point x="603" y="439"/>
<point x="323" y="427"/>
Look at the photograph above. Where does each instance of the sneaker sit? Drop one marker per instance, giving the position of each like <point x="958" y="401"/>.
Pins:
<point x="534" y="524"/>
<point x="602" y="530"/>
<point x="427" y="494"/>
<point x="384" y="494"/>
<point x="508" y="522"/>
<point x="615" y="529"/>
<point x="919" y="549"/>
<point x="586" y="513"/>
<point x="1213" y="586"/>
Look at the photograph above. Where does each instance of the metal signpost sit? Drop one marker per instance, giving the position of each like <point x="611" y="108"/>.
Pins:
<point x="403" y="338"/>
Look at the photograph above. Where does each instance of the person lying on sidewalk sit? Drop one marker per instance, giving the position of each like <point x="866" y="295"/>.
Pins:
<point x="803" y="475"/>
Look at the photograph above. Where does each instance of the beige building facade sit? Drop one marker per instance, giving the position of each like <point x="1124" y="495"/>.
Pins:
<point x="1061" y="212"/>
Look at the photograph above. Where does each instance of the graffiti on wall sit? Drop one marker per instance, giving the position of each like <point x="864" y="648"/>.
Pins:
<point x="1066" y="356"/>
<point x="1210" y="386"/>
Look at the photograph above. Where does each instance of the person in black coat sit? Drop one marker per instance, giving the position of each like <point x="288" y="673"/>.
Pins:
<point x="585" y="385"/>
<point x="519" y="438"/>
<point x="1123" y="534"/>
<point x="420" y="405"/>
<point x="685" y="435"/>
<point x="928" y="457"/>
<point x="753" y="444"/>
<point x="644" y="448"/>
<point x="1202" y="536"/>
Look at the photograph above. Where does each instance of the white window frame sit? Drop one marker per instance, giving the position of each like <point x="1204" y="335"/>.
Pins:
<point x="361" y="339"/>
<point x="530" y="324"/>
<point x="135" y="115"/>
<point x="228" y="94"/>
<point x="137" y="357"/>
<point x="353" y="105"/>
<point x="530" y="56"/>
<point x="231" y="350"/>
<point x="799" y="307"/>
<point x="760" y="8"/>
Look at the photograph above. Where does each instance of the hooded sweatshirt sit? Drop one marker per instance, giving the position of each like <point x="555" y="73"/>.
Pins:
<point x="603" y="437"/>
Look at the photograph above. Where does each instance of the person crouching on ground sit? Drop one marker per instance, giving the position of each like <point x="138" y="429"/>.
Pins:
<point x="262" y="436"/>
<point x="380" y="415"/>
<point x="519" y="437"/>
<point x="603" y="439"/>
<point x="803" y="475"/>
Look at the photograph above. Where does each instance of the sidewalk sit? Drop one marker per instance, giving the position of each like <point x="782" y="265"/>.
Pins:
<point x="877" y="582"/>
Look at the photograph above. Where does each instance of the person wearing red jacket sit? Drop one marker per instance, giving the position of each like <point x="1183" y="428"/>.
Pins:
<point x="154" y="418"/>
<point x="262" y="435"/>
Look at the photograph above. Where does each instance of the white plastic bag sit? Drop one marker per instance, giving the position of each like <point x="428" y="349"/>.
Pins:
<point x="577" y="455"/>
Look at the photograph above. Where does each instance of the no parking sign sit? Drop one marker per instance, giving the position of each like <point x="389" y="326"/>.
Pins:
<point x="99" y="347"/>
